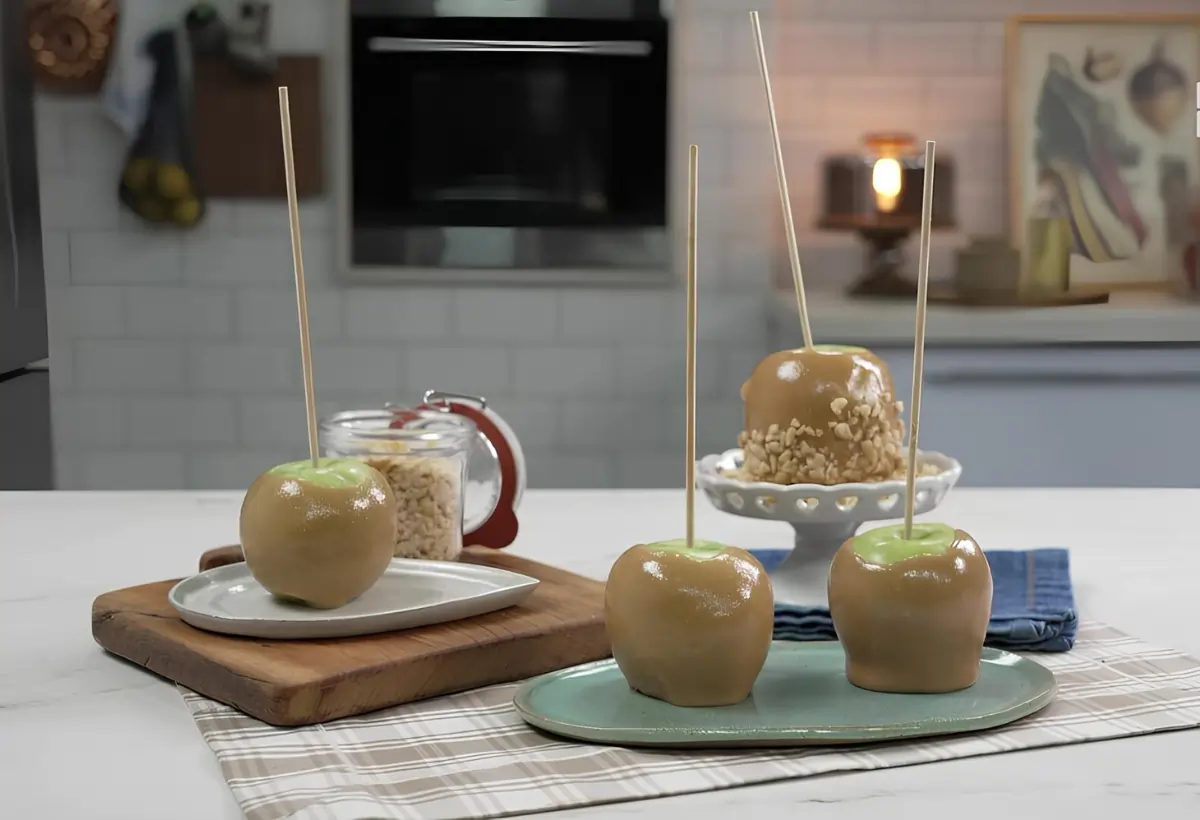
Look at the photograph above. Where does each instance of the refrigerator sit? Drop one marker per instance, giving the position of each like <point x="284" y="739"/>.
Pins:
<point x="26" y="449"/>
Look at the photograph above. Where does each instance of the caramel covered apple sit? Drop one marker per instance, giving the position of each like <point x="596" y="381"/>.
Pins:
<point x="320" y="535"/>
<point x="822" y="415"/>
<point x="911" y="613"/>
<point x="689" y="626"/>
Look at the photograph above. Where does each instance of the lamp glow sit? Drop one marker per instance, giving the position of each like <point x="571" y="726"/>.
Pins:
<point x="887" y="180"/>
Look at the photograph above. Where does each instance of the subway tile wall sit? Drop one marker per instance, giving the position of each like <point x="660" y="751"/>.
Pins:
<point x="174" y="361"/>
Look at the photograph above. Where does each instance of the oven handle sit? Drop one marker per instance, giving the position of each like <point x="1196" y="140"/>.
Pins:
<point x="603" y="48"/>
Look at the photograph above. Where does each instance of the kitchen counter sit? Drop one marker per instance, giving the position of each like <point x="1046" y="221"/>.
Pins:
<point x="1128" y="318"/>
<point x="88" y="736"/>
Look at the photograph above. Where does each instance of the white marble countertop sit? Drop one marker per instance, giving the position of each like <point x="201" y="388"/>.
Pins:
<point x="1128" y="318"/>
<point x="84" y="735"/>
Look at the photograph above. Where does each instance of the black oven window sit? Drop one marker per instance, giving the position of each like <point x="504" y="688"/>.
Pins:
<point x="467" y="122"/>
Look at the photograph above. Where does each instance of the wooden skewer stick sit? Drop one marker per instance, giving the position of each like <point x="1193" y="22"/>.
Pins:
<point x="789" y="224"/>
<point x="914" y="408"/>
<point x="289" y="165"/>
<point x="690" y="437"/>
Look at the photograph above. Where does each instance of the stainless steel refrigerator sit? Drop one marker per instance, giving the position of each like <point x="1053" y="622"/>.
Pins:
<point x="26" y="451"/>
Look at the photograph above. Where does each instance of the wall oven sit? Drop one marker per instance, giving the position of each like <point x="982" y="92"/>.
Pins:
<point x="506" y="141"/>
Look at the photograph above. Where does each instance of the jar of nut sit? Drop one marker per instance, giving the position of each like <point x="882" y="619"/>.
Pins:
<point x="455" y="468"/>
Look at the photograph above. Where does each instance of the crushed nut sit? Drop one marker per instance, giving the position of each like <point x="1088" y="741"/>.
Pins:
<point x="865" y="444"/>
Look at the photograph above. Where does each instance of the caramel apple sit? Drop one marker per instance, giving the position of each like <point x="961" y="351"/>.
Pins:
<point x="689" y="626"/>
<point x="911" y="613"/>
<point x="322" y="535"/>
<point x="822" y="415"/>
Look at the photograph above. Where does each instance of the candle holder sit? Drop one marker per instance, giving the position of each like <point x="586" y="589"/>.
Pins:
<point x="877" y="194"/>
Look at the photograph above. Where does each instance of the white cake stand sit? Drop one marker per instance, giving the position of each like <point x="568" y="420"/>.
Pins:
<point x="822" y="516"/>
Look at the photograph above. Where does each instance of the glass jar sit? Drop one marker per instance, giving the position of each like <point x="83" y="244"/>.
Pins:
<point x="423" y="455"/>
<point x="454" y="465"/>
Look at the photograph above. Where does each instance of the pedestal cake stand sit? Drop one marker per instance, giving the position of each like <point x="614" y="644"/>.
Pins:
<point x="822" y="516"/>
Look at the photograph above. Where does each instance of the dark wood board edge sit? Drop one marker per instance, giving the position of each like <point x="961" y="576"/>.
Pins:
<point x="127" y="635"/>
<point x="307" y="704"/>
<point x="120" y="634"/>
<point x="221" y="556"/>
<point x="439" y="675"/>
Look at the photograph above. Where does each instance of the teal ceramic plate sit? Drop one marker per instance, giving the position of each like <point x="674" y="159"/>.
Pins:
<point x="801" y="698"/>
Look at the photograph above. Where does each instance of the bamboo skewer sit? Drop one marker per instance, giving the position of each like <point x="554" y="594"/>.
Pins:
<point x="789" y="223"/>
<point x="692" y="312"/>
<point x="914" y="409"/>
<point x="289" y="164"/>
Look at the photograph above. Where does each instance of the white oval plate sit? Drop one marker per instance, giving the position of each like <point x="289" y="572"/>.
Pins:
<point x="411" y="593"/>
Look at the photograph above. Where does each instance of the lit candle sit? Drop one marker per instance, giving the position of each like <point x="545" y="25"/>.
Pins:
<point x="887" y="180"/>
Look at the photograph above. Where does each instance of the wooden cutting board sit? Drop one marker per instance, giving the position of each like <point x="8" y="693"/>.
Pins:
<point x="298" y="683"/>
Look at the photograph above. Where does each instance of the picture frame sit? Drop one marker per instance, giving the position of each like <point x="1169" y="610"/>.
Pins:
<point x="1104" y="159"/>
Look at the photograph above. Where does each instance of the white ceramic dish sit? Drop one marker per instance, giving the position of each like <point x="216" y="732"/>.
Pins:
<point x="817" y="503"/>
<point x="411" y="593"/>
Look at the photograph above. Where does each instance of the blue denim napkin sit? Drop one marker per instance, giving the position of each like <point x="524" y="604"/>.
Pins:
<point x="1033" y="603"/>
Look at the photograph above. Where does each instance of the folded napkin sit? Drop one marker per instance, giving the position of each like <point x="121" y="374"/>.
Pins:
<point x="1033" y="604"/>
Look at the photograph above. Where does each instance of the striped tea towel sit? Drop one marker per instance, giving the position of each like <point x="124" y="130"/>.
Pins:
<point x="1033" y="604"/>
<point x="470" y="756"/>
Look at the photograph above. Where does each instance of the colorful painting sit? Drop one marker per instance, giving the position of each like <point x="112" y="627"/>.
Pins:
<point x="1102" y="115"/>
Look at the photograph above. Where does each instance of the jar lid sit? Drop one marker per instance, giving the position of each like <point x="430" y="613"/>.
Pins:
<point x="496" y="468"/>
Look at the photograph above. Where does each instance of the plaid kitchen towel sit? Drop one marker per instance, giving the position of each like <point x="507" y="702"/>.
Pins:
<point x="470" y="756"/>
<point x="1033" y="604"/>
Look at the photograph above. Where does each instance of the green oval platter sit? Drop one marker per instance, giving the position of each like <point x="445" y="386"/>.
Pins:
<point x="801" y="698"/>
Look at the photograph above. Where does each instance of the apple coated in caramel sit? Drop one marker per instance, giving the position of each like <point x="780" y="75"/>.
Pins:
<point x="912" y="614"/>
<point x="826" y="415"/>
<point x="318" y="535"/>
<point x="691" y="627"/>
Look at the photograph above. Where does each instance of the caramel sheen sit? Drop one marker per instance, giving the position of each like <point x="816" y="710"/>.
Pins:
<point x="913" y="620"/>
<point x="690" y="627"/>
<point x="825" y="415"/>
<point x="320" y="537"/>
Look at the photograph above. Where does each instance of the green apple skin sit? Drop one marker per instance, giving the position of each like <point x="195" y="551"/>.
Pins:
<point x="885" y="546"/>
<point x="331" y="473"/>
<point x="698" y="551"/>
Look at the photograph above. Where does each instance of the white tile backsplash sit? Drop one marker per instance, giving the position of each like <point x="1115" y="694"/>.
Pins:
<point x="116" y="365"/>
<point x="926" y="48"/>
<point x="236" y="368"/>
<point x="115" y="258"/>
<point x="191" y="420"/>
<point x="88" y="312"/>
<point x="472" y="370"/>
<point x="159" y="312"/>
<point x="495" y="315"/>
<point x="174" y="360"/>
<point x="394" y="314"/>
<point x="564" y="370"/>
<point x="270" y="313"/>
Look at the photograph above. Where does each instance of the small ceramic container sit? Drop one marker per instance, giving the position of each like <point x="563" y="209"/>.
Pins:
<point x="987" y="266"/>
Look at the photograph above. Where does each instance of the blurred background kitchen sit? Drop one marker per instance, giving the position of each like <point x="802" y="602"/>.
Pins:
<point x="504" y="221"/>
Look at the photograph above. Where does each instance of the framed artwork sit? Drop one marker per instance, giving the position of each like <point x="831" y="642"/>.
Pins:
<point x="1104" y="158"/>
